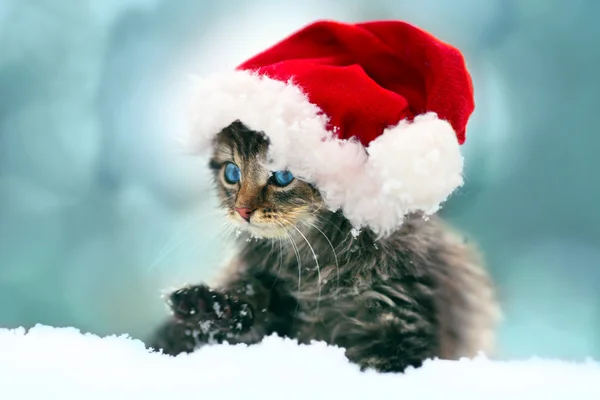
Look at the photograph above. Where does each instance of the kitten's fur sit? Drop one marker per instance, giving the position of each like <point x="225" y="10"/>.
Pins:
<point x="391" y="303"/>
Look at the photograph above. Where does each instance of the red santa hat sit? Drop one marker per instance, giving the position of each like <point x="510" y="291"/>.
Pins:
<point x="373" y="114"/>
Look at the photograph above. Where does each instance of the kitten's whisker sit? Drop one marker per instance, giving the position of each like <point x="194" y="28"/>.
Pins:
<point x="170" y="246"/>
<point x="226" y="229"/>
<point x="280" y="263"/>
<point x="337" y="265"/>
<point x="316" y="263"/>
<point x="320" y="218"/>
<point x="272" y="243"/>
<point x="297" y="252"/>
<point x="229" y="229"/>
<point x="346" y="235"/>
<point x="315" y="212"/>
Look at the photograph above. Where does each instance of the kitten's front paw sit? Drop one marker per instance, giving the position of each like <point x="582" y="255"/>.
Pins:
<point x="199" y="304"/>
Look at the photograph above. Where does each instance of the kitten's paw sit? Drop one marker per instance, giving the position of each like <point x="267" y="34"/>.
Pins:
<point x="199" y="304"/>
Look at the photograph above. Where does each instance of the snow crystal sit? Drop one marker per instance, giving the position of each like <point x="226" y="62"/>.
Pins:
<point x="249" y="290"/>
<point x="52" y="363"/>
<point x="205" y="326"/>
<point x="217" y="308"/>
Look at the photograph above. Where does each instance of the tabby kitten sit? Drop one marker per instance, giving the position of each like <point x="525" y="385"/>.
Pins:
<point x="303" y="272"/>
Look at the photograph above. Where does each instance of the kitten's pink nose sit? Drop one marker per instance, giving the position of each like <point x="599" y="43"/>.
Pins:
<point x="244" y="212"/>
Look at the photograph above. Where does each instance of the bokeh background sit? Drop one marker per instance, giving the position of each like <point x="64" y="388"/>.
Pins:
<point x="98" y="214"/>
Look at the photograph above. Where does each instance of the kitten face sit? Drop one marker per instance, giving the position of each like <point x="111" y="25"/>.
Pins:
<point x="265" y="203"/>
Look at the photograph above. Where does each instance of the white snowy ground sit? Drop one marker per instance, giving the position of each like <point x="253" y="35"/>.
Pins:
<point x="51" y="363"/>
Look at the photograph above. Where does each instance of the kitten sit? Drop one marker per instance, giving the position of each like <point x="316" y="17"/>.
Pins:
<point x="303" y="272"/>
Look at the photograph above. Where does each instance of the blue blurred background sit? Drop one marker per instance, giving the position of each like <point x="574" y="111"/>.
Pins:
<point x="98" y="214"/>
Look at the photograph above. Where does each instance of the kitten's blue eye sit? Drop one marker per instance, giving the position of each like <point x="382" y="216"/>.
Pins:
<point x="232" y="173"/>
<point x="283" y="178"/>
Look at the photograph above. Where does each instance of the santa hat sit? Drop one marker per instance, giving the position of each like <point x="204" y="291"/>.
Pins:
<point x="373" y="114"/>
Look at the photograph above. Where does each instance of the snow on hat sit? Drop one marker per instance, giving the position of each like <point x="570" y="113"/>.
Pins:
<point x="373" y="114"/>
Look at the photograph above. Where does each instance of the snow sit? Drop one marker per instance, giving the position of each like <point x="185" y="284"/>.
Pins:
<point x="62" y="363"/>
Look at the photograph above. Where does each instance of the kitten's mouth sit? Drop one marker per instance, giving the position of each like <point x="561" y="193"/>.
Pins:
<point x="271" y="229"/>
<point x="263" y="229"/>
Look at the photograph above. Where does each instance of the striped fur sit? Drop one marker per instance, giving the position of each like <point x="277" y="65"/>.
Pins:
<point x="304" y="273"/>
